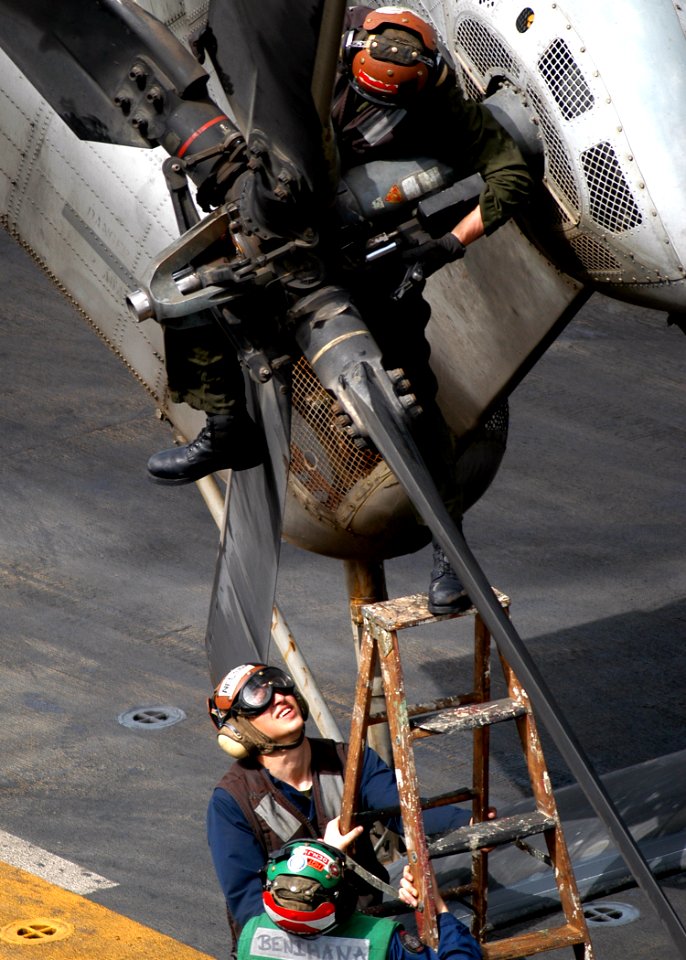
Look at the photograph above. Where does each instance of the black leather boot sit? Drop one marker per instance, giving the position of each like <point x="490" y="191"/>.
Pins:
<point x="446" y="593"/>
<point x="226" y="442"/>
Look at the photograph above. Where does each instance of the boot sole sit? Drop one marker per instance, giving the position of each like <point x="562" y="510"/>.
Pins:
<point x="179" y="481"/>
<point x="172" y="481"/>
<point x="459" y="607"/>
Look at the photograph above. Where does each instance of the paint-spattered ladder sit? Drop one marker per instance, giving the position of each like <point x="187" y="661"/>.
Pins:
<point x="475" y="711"/>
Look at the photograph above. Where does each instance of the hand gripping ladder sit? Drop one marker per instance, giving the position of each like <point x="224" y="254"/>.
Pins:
<point x="469" y="711"/>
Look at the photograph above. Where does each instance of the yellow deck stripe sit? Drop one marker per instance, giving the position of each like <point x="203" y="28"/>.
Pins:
<point x="98" y="932"/>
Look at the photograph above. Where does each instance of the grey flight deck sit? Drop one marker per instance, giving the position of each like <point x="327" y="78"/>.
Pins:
<point x="106" y="581"/>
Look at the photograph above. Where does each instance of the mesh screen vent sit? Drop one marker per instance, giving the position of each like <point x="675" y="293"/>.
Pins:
<point x="431" y="10"/>
<point x="557" y="159"/>
<point x="483" y="50"/>
<point x="565" y="80"/>
<point x="612" y="204"/>
<point x="594" y="257"/>
<point x="325" y="461"/>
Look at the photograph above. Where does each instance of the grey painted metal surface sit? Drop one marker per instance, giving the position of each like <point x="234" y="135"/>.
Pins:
<point x="486" y="326"/>
<point x="592" y="82"/>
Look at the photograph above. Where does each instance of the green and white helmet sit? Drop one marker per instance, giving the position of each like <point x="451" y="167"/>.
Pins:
<point x="306" y="890"/>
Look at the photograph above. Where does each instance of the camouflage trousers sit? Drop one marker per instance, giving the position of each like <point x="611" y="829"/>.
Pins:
<point x="202" y="369"/>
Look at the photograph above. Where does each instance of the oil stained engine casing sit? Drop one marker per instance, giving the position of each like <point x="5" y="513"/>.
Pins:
<point x="344" y="501"/>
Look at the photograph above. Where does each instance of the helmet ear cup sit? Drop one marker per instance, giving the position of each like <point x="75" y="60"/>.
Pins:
<point x="230" y="741"/>
<point x="239" y="738"/>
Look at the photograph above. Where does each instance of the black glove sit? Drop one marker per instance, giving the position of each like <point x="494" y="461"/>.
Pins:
<point x="434" y="254"/>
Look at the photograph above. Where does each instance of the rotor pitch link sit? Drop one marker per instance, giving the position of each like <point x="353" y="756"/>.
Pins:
<point x="170" y="293"/>
<point x="335" y="340"/>
<point x="173" y="290"/>
<point x="408" y="401"/>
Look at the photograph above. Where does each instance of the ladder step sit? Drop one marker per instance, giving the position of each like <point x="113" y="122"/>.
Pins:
<point x="459" y="795"/>
<point x="491" y="833"/>
<point x="538" y="941"/>
<point x="467" y="717"/>
<point x="403" y="612"/>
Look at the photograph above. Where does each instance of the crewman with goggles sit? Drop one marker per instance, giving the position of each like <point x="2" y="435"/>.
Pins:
<point x="285" y="786"/>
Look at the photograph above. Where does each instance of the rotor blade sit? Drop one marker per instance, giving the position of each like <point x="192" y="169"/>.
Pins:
<point x="268" y="55"/>
<point x="240" y="618"/>
<point x="404" y="459"/>
<point x="79" y="57"/>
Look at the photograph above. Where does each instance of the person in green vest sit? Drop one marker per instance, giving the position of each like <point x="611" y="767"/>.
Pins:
<point x="309" y="913"/>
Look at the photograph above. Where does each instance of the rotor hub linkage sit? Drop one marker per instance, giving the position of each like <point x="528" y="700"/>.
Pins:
<point x="408" y="401"/>
<point x="403" y="390"/>
<point x="345" y="424"/>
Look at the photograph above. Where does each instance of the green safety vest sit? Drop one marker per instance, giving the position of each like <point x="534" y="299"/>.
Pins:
<point x="359" y="938"/>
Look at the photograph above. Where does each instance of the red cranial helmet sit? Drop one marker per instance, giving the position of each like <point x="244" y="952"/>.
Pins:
<point x="394" y="55"/>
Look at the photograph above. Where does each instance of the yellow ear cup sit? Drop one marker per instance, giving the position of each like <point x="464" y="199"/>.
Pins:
<point x="231" y="746"/>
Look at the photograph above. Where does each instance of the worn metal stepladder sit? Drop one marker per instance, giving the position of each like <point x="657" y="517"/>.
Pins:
<point x="476" y="711"/>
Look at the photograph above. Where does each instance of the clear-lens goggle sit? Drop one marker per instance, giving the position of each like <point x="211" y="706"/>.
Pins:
<point x="256" y="694"/>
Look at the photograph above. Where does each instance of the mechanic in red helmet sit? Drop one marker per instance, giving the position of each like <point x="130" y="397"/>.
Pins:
<point x="397" y="98"/>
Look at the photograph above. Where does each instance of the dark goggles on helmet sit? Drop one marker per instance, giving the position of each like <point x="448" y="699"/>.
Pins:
<point x="256" y="694"/>
<point x="401" y="52"/>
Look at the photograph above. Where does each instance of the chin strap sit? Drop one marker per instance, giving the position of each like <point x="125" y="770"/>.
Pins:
<point x="270" y="746"/>
<point x="253" y="739"/>
<point x="239" y="738"/>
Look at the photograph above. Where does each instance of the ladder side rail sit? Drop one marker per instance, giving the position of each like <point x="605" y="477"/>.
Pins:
<point x="358" y="729"/>
<point x="408" y="787"/>
<point x="542" y="790"/>
<point x="366" y="584"/>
